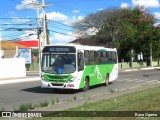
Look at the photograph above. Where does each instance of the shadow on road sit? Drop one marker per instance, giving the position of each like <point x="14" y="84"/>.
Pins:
<point x="38" y="89"/>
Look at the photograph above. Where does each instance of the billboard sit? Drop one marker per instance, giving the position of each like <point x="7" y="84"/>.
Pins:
<point x="25" y="53"/>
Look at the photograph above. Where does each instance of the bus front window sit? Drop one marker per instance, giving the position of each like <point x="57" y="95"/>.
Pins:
<point x="59" y="63"/>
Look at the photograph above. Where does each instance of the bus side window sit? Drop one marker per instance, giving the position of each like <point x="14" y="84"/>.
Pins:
<point x="95" y="57"/>
<point x="114" y="55"/>
<point x="86" y="57"/>
<point x="104" y="58"/>
<point x="109" y="57"/>
<point x="91" y="58"/>
<point x="80" y="61"/>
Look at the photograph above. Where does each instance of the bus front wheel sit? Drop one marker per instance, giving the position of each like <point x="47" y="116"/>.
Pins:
<point x="86" y="85"/>
<point x="107" y="80"/>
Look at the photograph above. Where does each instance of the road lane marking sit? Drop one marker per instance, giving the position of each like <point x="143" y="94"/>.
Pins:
<point x="122" y="89"/>
<point x="135" y="87"/>
<point x="131" y="70"/>
<point x="140" y="81"/>
<point x="127" y="79"/>
<point x="132" y="80"/>
<point x="152" y="81"/>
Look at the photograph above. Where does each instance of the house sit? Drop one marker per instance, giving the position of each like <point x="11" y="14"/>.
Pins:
<point x="9" y="47"/>
<point x="78" y="41"/>
<point x="29" y="43"/>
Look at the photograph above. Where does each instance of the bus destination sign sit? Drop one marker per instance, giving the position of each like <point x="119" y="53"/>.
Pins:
<point x="59" y="49"/>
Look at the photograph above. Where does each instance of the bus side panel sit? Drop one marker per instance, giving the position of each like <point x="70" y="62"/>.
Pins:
<point x="89" y="72"/>
<point x="96" y="73"/>
<point x="114" y="73"/>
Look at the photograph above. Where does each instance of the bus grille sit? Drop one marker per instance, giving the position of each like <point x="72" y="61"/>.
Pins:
<point x="57" y="78"/>
<point x="57" y="84"/>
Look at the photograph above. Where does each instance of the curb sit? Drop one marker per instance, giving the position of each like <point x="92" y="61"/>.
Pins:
<point x="105" y="96"/>
<point x="19" y="80"/>
<point x="149" y="68"/>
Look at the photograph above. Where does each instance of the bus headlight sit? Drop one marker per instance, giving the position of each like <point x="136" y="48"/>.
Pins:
<point x="72" y="79"/>
<point x="43" y="78"/>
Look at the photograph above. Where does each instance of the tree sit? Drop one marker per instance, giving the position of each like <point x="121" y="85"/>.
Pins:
<point x="125" y="29"/>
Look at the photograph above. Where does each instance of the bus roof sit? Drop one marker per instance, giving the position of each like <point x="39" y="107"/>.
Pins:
<point x="87" y="47"/>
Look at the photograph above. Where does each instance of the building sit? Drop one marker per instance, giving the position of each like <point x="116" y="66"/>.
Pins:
<point x="78" y="41"/>
<point x="29" y="43"/>
<point x="9" y="47"/>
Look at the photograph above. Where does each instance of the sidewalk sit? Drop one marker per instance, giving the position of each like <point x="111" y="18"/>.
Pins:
<point x="136" y="69"/>
<point x="18" y="80"/>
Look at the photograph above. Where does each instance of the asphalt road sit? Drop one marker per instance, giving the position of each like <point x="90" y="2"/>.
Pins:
<point x="12" y="95"/>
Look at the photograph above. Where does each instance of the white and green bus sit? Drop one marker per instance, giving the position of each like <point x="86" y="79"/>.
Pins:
<point x="77" y="66"/>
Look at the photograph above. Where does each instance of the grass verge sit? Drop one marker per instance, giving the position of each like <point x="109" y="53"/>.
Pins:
<point x="146" y="100"/>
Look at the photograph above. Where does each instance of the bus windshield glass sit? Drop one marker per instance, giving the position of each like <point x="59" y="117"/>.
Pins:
<point x="59" y="63"/>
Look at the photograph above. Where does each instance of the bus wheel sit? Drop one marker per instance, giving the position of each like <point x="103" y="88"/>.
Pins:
<point x="107" y="80"/>
<point x="86" y="85"/>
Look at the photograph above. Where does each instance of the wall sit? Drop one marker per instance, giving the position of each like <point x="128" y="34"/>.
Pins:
<point x="12" y="67"/>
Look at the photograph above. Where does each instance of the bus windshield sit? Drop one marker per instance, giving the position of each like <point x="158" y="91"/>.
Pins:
<point x="59" y="63"/>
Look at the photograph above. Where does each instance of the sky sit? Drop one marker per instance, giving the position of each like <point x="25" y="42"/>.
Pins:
<point x="61" y="14"/>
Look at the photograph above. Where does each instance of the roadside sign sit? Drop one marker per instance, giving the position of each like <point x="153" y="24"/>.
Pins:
<point x="25" y="53"/>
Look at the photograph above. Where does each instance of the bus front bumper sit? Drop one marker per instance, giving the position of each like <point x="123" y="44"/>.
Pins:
<point x="70" y="85"/>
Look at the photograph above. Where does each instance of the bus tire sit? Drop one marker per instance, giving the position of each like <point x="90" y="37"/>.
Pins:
<point x="107" y="80"/>
<point x="86" y="85"/>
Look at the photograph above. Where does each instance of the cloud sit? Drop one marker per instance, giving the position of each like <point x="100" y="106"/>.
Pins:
<point x="26" y="4"/>
<point x="92" y="31"/>
<point x="76" y="18"/>
<point x="124" y="5"/>
<point x="157" y="15"/>
<point x="100" y="9"/>
<point x="156" y="24"/>
<point x="76" y="11"/>
<point x="62" y="39"/>
<point x="20" y="21"/>
<point x="73" y="19"/>
<point x="29" y="35"/>
<point x="56" y="16"/>
<point x="146" y="3"/>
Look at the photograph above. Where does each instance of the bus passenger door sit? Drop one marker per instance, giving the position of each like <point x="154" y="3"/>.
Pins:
<point x="80" y="65"/>
<point x="80" y="61"/>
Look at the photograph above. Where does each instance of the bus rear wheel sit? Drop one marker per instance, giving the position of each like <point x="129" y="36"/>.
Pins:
<point x="107" y="80"/>
<point x="86" y="85"/>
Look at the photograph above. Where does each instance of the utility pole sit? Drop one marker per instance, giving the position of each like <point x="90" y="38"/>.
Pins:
<point x="45" y="36"/>
<point x="44" y="24"/>
<point x="40" y="5"/>
<point x="47" y="32"/>
<point x="39" y="39"/>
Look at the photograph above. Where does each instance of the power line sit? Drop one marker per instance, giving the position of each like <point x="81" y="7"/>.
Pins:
<point x="41" y="18"/>
<point x="21" y="18"/>
<point x="61" y="23"/>
<point x="63" y="33"/>
<point x="11" y="34"/>
<point x="60" y="28"/>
